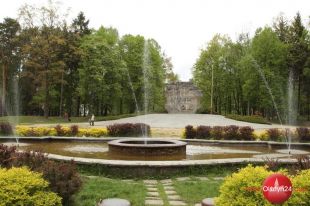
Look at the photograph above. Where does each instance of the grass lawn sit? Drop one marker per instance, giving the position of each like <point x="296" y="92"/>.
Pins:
<point x="56" y="120"/>
<point x="95" y="189"/>
<point x="193" y="192"/>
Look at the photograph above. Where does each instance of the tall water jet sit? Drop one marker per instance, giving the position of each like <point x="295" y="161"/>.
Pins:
<point x="146" y="76"/>
<point x="291" y="104"/>
<point x="260" y="71"/>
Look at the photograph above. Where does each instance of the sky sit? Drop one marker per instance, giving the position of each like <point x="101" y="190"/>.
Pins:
<point x="181" y="27"/>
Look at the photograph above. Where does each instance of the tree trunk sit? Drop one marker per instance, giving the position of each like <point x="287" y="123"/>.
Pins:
<point x="78" y="104"/>
<point x="4" y="86"/>
<point x="61" y="94"/>
<point x="46" y="103"/>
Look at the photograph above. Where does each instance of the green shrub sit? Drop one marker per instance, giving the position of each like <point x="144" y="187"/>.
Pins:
<point x="7" y="155"/>
<point x="190" y="132"/>
<point x="60" y="130"/>
<point x="237" y="189"/>
<point x="246" y="133"/>
<point x="231" y="132"/>
<point x="301" y="184"/>
<point x="203" y="132"/>
<point x="303" y="134"/>
<point x="129" y="130"/>
<point x="6" y="129"/>
<point x="19" y="186"/>
<point x="253" y="118"/>
<point x="74" y="129"/>
<point x="63" y="177"/>
<point x="274" y="134"/>
<point x="217" y="132"/>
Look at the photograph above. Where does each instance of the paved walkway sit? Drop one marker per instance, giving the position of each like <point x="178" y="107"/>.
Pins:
<point x="181" y="120"/>
<point x="154" y="198"/>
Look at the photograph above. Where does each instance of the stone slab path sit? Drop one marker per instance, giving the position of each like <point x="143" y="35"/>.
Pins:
<point x="172" y="198"/>
<point x="180" y="121"/>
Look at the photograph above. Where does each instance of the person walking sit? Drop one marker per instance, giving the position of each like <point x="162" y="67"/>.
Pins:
<point x="92" y="120"/>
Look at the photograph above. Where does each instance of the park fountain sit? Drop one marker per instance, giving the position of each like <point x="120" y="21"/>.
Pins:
<point x="169" y="149"/>
<point x="291" y="110"/>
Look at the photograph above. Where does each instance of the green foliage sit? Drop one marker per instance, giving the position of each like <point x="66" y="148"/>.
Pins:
<point x="275" y="134"/>
<point x="231" y="132"/>
<point x="63" y="177"/>
<point x="195" y="191"/>
<point x="253" y="118"/>
<point x="190" y="132"/>
<point x="19" y="186"/>
<point x="96" y="189"/>
<point x="301" y="184"/>
<point x="303" y="134"/>
<point x="244" y="187"/>
<point x="237" y="188"/>
<point x="6" y="129"/>
<point x="235" y="73"/>
<point x="129" y="130"/>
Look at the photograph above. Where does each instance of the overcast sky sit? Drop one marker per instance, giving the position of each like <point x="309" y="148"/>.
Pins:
<point x="181" y="27"/>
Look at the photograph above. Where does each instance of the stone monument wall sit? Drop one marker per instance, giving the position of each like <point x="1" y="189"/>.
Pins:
<point x="182" y="97"/>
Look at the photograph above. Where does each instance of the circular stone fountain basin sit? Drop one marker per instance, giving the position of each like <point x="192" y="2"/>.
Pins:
<point x="169" y="149"/>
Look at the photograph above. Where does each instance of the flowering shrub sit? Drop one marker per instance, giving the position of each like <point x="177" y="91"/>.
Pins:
<point x="190" y="132"/>
<point x="128" y="130"/>
<point x="274" y="134"/>
<point x="231" y="132"/>
<point x="6" y="129"/>
<point x="33" y="131"/>
<point x="203" y="132"/>
<point x="246" y="133"/>
<point x="217" y="132"/>
<point x="59" y="130"/>
<point x="244" y="187"/>
<point x="303" y="134"/>
<point x="301" y="182"/>
<point x="63" y="177"/>
<point x="6" y="156"/>
<point x="74" y="129"/>
<point x="237" y="189"/>
<point x="19" y="186"/>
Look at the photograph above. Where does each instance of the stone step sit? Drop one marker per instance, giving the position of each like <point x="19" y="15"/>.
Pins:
<point x="154" y="202"/>
<point x="177" y="203"/>
<point x="170" y="192"/>
<point x="208" y="202"/>
<point x="173" y="197"/>
<point x="152" y="194"/>
<point x="150" y="182"/>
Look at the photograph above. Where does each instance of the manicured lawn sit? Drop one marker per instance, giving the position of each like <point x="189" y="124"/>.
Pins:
<point x="194" y="191"/>
<point x="56" y="120"/>
<point x="252" y="119"/>
<point x="95" y="189"/>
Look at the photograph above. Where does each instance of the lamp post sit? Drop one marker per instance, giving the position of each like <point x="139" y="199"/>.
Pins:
<point x="211" y="89"/>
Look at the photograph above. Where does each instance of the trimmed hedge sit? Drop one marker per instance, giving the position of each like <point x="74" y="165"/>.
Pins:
<point x="253" y="118"/>
<point x="129" y="130"/>
<point x="20" y="186"/>
<point x="245" y="187"/>
<point x="59" y="130"/>
<point x="303" y="134"/>
<point x="63" y="177"/>
<point x="231" y="132"/>
<point x="6" y="129"/>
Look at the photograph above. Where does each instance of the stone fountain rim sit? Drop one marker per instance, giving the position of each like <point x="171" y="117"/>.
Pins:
<point x="170" y="143"/>
<point x="161" y="164"/>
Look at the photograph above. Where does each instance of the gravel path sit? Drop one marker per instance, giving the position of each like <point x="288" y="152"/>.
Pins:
<point x="181" y="120"/>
